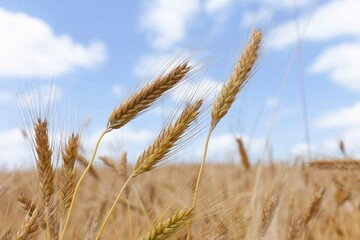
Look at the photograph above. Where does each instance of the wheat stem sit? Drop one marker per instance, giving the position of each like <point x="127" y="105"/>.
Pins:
<point x="198" y="181"/>
<point x="113" y="207"/>
<point x="78" y="184"/>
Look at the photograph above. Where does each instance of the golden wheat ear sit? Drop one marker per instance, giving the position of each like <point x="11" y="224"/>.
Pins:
<point x="165" y="229"/>
<point x="167" y="139"/>
<point x="139" y="101"/>
<point x="29" y="229"/>
<point x="243" y="154"/>
<point x="237" y="79"/>
<point x="46" y="173"/>
<point x="68" y="181"/>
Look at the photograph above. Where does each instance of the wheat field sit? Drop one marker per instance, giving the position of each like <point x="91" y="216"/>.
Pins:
<point x="154" y="199"/>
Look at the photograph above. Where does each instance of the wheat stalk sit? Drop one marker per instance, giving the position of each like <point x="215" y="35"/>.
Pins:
<point x="160" y="148"/>
<point x="131" y="108"/>
<point x="165" y="229"/>
<point x="226" y="98"/>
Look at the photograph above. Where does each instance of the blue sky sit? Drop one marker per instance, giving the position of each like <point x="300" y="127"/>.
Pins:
<point x="94" y="54"/>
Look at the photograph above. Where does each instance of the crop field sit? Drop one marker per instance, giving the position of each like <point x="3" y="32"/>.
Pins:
<point x="69" y="197"/>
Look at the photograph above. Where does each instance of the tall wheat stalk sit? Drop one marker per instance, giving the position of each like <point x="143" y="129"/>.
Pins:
<point x="227" y="97"/>
<point x="130" y="109"/>
<point x="159" y="149"/>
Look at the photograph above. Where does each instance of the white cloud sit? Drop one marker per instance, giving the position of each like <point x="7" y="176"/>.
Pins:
<point x="166" y="21"/>
<point x="259" y="17"/>
<point x="342" y="63"/>
<point x="213" y="6"/>
<point x="330" y="20"/>
<point x="344" y="117"/>
<point x="30" y="48"/>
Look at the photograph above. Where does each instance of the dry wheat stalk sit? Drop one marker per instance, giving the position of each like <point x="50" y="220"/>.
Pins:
<point x="243" y="154"/>
<point x="226" y="98"/>
<point x="69" y="155"/>
<point x="166" y="140"/>
<point x="348" y="164"/>
<point x="160" y="148"/>
<point x="237" y="79"/>
<point x="131" y="108"/>
<point x="143" y="99"/>
<point x="29" y="228"/>
<point x="166" y="228"/>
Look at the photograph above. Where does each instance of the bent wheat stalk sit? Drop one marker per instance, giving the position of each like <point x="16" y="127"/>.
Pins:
<point x="130" y="109"/>
<point x="159" y="149"/>
<point x="227" y="97"/>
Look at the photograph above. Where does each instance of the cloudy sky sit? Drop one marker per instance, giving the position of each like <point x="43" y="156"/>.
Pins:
<point x="92" y="55"/>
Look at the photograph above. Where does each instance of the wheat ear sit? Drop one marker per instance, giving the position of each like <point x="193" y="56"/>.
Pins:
<point x="243" y="154"/>
<point x="69" y="155"/>
<point x="30" y="227"/>
<point x="268" y="212"/>
<point x="165" y="229"/>
<point x="297" y="226"/>
<point x="143" y="99"/>
<point x="159" y="149"/>
<point x="348" y="164"/>
<point x="226" y="98"/>
<point x="44" y="168"/>
<point x="130" y="109"/>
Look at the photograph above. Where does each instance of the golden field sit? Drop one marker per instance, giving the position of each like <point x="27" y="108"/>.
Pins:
<point x="296" y="199"/>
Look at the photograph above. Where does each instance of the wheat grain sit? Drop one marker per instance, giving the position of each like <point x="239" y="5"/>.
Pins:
<point x="237" y="80"/>
<point x="166" y="228"/>
<point x="143" y="99"/>
<point x="166" y="140"/>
